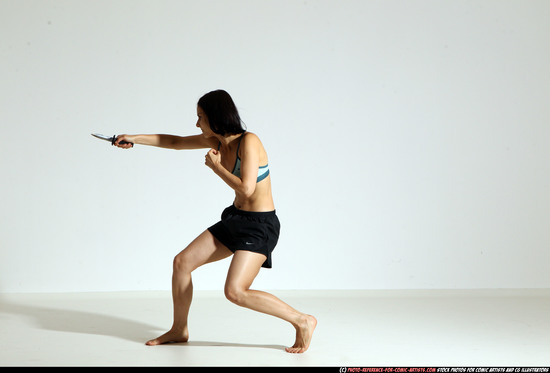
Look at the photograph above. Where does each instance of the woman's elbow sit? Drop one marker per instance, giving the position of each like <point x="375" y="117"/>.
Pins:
<point x="248" y="190"/>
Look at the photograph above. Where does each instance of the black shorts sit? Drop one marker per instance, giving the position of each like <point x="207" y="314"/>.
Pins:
<point x="248" y="230"/>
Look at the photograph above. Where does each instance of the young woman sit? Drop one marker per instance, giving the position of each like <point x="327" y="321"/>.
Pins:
<point x="249" y="228"/>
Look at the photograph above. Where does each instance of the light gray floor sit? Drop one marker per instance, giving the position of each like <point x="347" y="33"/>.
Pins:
<point x="356" y="328"/>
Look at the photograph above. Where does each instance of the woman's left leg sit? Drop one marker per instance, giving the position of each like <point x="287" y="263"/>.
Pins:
<point x="244" y="268"/>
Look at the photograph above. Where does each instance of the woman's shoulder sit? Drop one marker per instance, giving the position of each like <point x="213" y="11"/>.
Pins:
<point x="251" y="142"/>
<point x="251" y="138"/>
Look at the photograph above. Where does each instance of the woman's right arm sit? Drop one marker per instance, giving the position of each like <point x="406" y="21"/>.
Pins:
<point x="166" y="141"/>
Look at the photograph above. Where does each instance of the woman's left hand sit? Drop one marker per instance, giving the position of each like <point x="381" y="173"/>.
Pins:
<point x="213" y="159"/>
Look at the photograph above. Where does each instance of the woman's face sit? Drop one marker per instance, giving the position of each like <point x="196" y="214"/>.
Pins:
<point x="202" y="123"/>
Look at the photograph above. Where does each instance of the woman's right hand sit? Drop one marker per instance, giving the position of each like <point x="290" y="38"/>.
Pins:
<point x="124" y="141"/>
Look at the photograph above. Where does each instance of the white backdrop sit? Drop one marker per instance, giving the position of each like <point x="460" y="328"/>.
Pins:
<point x="408" y="140"/>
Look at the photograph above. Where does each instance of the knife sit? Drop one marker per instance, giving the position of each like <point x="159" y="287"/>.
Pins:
<point x="110" y="139"/>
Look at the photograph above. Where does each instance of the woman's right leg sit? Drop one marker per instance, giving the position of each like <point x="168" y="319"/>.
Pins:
<point x="204" y="249"/>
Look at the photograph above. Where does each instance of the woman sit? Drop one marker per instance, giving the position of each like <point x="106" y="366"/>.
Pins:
<point x="248" y="229"/>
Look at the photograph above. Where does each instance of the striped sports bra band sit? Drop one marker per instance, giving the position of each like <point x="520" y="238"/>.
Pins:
<point x="263" y="171"/>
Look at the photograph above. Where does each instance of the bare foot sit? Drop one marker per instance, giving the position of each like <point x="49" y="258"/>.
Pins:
<point x="170" y="336"/>
<point x="304" y="332"/>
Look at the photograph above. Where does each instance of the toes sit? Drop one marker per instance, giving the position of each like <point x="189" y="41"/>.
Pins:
<point x="295" y="350"/>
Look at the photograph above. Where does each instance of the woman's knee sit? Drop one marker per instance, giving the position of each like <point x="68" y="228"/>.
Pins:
<point x="234" y="294"/>
<point x="181" y="263"/>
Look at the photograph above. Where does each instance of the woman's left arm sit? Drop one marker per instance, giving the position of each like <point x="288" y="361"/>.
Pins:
<point x="250" y="161"/>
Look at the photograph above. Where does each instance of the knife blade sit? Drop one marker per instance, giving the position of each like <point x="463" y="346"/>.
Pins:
<point x="110" y="139"/>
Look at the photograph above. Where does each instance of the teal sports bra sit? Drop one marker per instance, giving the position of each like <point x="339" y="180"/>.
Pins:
<point x="263" y="171"/>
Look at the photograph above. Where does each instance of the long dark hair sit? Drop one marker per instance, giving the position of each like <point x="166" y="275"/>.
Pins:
<point x="222" y="113"/>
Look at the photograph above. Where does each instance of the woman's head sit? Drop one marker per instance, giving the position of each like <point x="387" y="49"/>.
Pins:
<point x="222" y="114"/>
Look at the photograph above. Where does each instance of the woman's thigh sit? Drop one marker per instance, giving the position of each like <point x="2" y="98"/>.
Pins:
<point x="202" y="250"/>
<point x="243" y="269"/>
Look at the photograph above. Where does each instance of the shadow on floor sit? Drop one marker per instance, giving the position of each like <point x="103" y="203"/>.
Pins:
<point x="229" y="344"/>
<point x="71" y="321"/>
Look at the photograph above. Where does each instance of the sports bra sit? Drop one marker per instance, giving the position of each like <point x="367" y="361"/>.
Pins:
<point x="263" y="171"/>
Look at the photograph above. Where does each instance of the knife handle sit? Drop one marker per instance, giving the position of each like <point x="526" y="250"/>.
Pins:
<point x="122" y="142"/>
